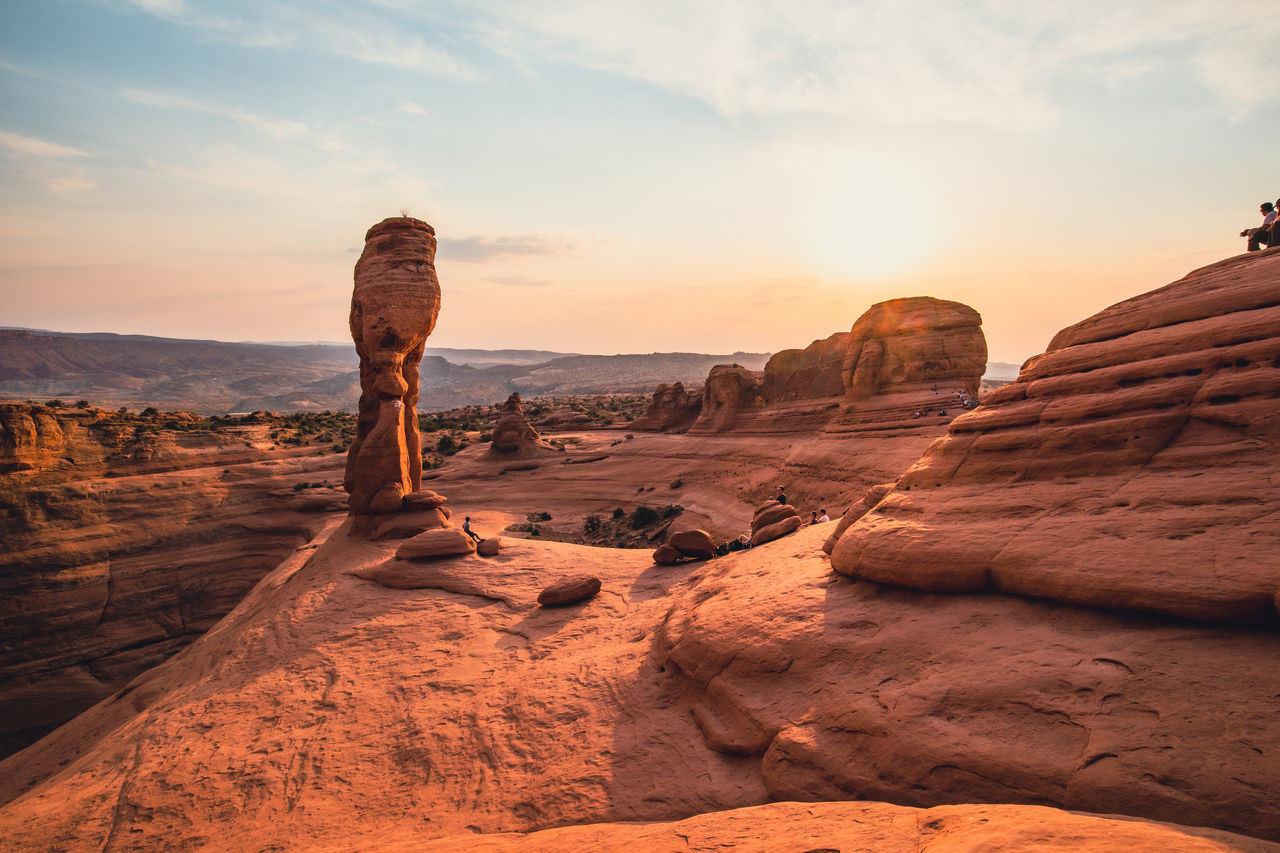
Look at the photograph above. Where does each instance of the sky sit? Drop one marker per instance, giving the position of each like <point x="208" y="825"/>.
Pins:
<point x="718" y="176"/>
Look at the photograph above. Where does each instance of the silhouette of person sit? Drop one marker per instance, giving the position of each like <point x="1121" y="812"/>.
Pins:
<point x="466" y="528"/>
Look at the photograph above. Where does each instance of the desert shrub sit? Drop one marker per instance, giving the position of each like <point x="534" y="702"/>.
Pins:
<point x="677" y="483"/>
<point x="82" y="404"/>
<point x="149" y="412"/>
<point x="486" y="437"/>
<point x="671" y="510"/>
<point x="539" y="516"/>
<point x="618" y="514"/>
<point x="591" y="525"/>
<point x="448" y="445"/>
<point x="643" y="516"/>
<point x="54" y="404"/>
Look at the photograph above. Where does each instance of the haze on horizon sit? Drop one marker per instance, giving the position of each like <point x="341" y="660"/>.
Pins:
<point x="624" y="177"/>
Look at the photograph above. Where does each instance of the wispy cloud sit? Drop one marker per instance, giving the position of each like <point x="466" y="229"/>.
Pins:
<point x="481" y="248"/>
<point x="38" y="147"/>
<point x="411" y="108"/>
<point x="46" y="163"/>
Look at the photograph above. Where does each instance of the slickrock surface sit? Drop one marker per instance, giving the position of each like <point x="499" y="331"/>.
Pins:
<point x="815" y="827"/>
<point x="394" y="305"/>
<point x="117" y="548"/>
<point x="672" y="409"/>
<point x="1133" y="465"/>
<point x="815" y="371"/>
<point x="353" y="693"/>
<point x="911" y="355"/>
<point x="513" y="434"/>
<point x="730" y="388"/>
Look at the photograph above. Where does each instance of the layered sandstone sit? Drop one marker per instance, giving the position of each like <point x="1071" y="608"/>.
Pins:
<point x="394" y="305"/>
<point x="911" y="358"/>
<point x="1132" y="465"/>
<point x="815" y="371"/>
<point x="672" y="409"/>
<point x="729" y="390"/>
<point x="513" y="434"/>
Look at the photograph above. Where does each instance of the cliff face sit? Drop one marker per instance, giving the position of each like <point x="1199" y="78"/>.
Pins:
<point x="815" y="371"/>
<point x="730" y="390"/>
<point x="120" y="546"/>
<point x="1132" y="465"/>
<point x="671" y="409"/>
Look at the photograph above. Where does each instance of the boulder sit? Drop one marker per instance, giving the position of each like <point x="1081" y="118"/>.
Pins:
<point x="403" y="525"/>
<point x="671" y="409"/>
<point x="447" y="542"/>
<point x="667" y="555"/>
<point x="730" y="388"/>
<point x="423" y="499"/>
<point x="569" y="592"/>
<point x="513" y="434"/>
<point x="394" y="305"/>
<point x="781" y="528"/>
<point x="773" y="515"/>
<point x="697" y="544"/>
<point x="489" y="547"/>
<point x="1133" y="465"/>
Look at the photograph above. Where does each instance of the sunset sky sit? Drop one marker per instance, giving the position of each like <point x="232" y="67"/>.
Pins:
<point x="625" y="176"/>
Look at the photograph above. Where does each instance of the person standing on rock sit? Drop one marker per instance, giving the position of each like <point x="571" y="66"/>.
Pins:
<point x="466" y="528"/>
<point x="1258" y="237"/>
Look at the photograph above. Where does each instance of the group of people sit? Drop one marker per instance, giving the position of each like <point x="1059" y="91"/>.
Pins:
<point x="1267" y="234"/>
<point x="744" y="541"/>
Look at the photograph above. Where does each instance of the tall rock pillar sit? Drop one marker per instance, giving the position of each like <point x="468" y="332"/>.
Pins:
<point x="393" y="310"/>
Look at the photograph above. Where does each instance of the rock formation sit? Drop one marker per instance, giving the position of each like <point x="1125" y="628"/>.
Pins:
<point x="513" y="434"/>
<point x="773" y="520"/>
<point x="393" y="309"/>
<point x="730" y="389"/>
<point x="685" y="544"/>
<point x="1133" y="465"/>
<point x="672" y="409"/>
<point x="570" y="591"/>
<point x="908" y="356"/>
<point x="799" y="374"/>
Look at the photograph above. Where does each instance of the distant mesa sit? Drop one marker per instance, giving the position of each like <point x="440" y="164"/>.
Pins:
<point x="1133" y="465"/>
<point x="912" y="362"/>
<point x="394" y="306"/>
<point x="513" y="435"/>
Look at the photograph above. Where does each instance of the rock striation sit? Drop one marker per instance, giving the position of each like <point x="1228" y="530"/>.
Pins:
<point x="673" y="408"/>
<point x="1133" y="465"/>
<point x="730" y="389"/>
<point x="773" y="520"/>
<point x="513" y="434"/>
<point x="911" y="358"/>
<point x="393" y="310"/>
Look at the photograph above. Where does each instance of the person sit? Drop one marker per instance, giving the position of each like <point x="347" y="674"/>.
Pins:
<point x="813" y="518"/>
<point x="466" y="528"/>
<point x="1259" y="237"/>
<point x="824" y="518"/>
<point x="745" y="539"/>
<point x="782" y="496"/>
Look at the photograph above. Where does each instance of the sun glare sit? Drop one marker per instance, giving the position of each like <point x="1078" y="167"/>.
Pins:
<point x="869" y="217"/>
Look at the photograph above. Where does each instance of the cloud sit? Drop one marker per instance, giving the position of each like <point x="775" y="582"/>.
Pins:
<point x="411" y="108"/>
<point x="477" y="249"/>
<point x="914" y="61"/>
<point x="520" y="281"/>
<point x="38" y="147"/>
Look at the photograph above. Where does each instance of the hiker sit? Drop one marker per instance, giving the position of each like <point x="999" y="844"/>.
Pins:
<point x="466" y="528"/>
<point x="824" y="518"/>
<point x="1263" y="236"/>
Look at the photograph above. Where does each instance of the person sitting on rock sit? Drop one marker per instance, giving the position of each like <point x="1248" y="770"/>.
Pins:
<point x="824" y="518"/>
<point x="813" y="518"/>
<point x="466" y="528"/>
<point x="1262" y="236"/>
<point x="745" y="539"/>
<point x="782" y="496"/>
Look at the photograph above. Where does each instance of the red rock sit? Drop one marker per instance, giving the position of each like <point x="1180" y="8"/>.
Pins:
<point x="423" y="499"/>
<point x="815" y="371"/>
<point x="697" y="544"/>
<point x="666" y="555"/>
<point x="513" y="434"/>
<point x="489" y="547"/>
<point x="569" y="592"/>
<point x="768" y="533"/>
<point x="446" y="542"/>
<point x="873" y="496"/>
<point x="730" y="389"/>
<point x="772" y="515"/>
<point x="672" y="409"/>
<point x="1133" y="465"/>
<point x="393" y="310"/>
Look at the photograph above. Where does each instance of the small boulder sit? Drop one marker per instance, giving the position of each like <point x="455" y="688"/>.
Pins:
<point x="489" y="547"/>
<point x="448" y="542"/>
<point x="666" y="555"/>
<point x="697" y="544"/>
<point x="773" y="531"/>
<point x="423" y="499"/>
<point x="569" y="592"/>
<point x="773" y="515"/>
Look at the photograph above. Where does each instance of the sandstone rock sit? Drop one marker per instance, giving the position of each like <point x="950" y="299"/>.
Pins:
<point x="697" y="544"/>
<point x="513" y="434"/>
<point x="905" y="356"/>
<point x="30" y="437"/>
<point x="447" y="542"/>
<point x="569" y="592"/>
<point x="730" y="388"/>
<point x="393" y="309"/>
<point x="1133" y="465"/>
<point x="405" y="525"/>
<point x="770" y="532"/>
<point x="773" y="515"/>
<point x="815" y="371"/>
<point x="423" y="499"/>
<point x="672" y="409"/>
<point x="489" y="547"/>
<point x="873" y="496"/>
<point x="667" y="555"/>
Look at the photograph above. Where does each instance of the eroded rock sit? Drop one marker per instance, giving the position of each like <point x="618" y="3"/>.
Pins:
<point x="513" y="434"/>
<point x="569" y="592"/>
<point x="671" y="409"/>
<point x="730" y="388"/>
<point x="446" y="542"/>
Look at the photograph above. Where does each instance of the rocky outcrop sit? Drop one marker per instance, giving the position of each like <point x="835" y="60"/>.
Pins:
<point x="672" y="409"/>
<point x="772" y="520"/>
<point x="685" y="545"/>
<point x="800" y="374"/>
<point x="870" y="499"/>
<point x="730" y="389"/>
<point x="1133" y="465"/>
<point x="512" y="434"/>
<point x="30" y="437"/>
<point x="393" y="309"/>
<point x="911" y="358"/>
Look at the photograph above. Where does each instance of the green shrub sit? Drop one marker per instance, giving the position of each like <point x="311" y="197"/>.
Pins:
<point x="643" y="516"/>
